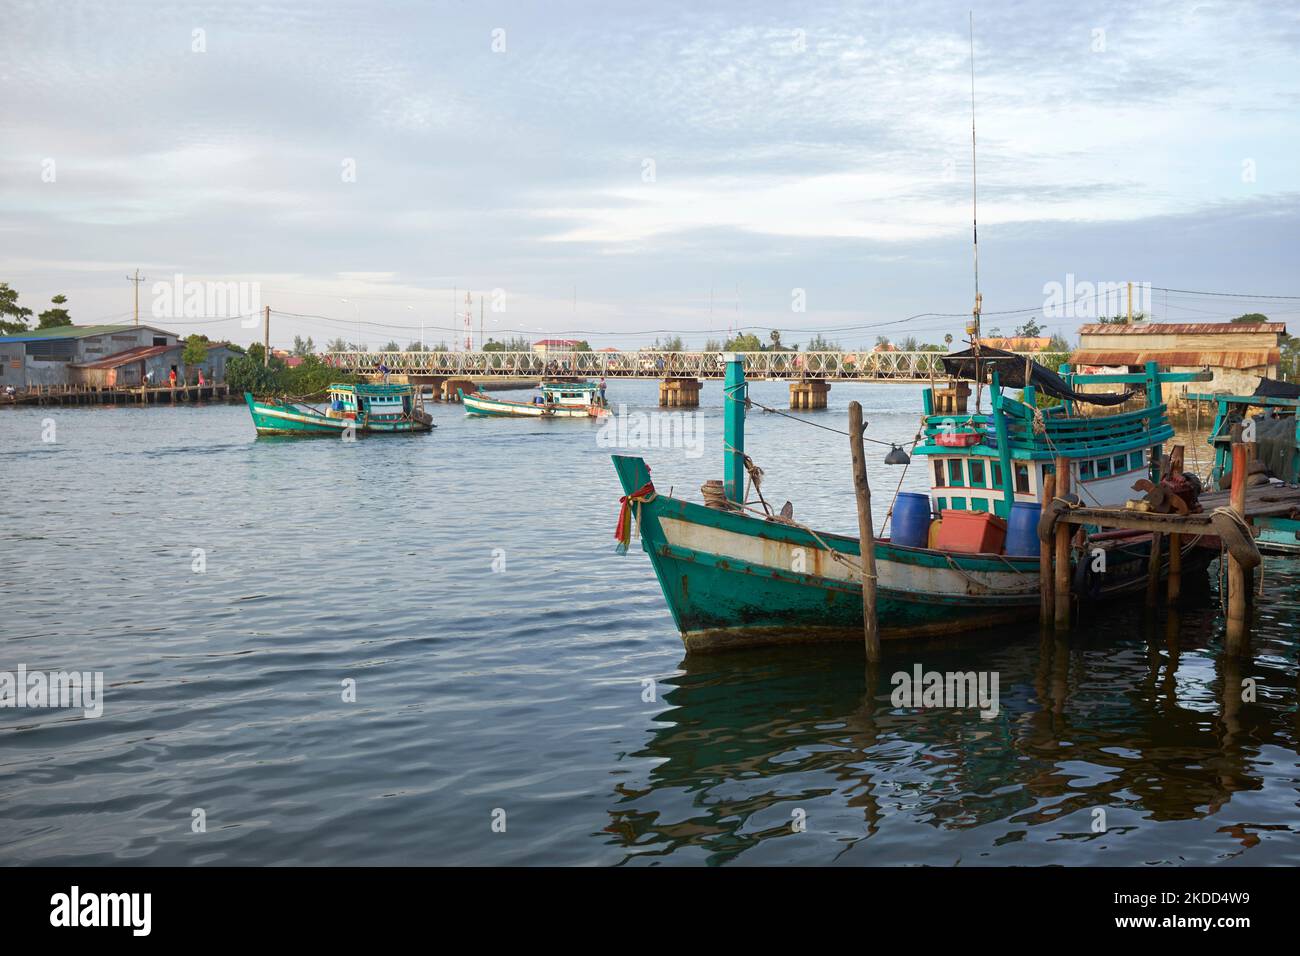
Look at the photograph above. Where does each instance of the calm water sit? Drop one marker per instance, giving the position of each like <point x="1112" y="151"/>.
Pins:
<point x="521" y="688"/>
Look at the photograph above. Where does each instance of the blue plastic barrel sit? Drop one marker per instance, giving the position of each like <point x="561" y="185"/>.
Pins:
<point x="911" y="521"/>
<point x="1022" y="529"/>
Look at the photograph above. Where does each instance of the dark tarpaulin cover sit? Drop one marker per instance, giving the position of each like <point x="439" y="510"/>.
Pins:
<point x="1011" y="373"/>
<point x="1272" y="388"/>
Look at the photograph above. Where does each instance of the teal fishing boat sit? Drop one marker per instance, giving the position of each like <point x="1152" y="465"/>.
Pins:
<point x="737" y="575"/>
<point x="556" y="400"/>
<point x="352" y="409"/>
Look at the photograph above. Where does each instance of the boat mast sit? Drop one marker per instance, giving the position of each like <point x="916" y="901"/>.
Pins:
<point x="974" y="328"/>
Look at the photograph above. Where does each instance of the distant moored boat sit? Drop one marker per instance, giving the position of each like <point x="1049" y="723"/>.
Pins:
<point x="557" y="400"/>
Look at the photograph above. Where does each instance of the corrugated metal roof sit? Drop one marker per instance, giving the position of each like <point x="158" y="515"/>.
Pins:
<point x="1183" y="328"/>
<point x="75" y="332"/>
<point x="1227" y="358"/>
<point x="129" y="356"/>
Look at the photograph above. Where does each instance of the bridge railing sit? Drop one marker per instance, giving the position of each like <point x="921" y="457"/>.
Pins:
<point x="645" y="363"/>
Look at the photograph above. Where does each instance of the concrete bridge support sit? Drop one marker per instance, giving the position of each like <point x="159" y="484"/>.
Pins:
<point x="431" y="382"/>
<point x="679" y="393"/>
<point x="451" y="385"/>
<point x="808" y="394"/>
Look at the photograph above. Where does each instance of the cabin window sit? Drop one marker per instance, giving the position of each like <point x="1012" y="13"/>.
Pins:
<point x="954" y="472"/>
<point x="997" y="474"/>
<point x="943" y="503"/>
<point x="959" y="504"/>
<point x="979" y="504"/>
<point x="1085" y="471"/>
<point x="1022" y="479"/>
<point x="1135" y="460"/>
<point x="976" y="474"/>
<point x="1120" y="464"/>
<point x="1103" y="467"/>
<point x="938" y="473"/>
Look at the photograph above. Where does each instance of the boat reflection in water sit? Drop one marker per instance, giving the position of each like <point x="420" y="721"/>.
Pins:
<point x="1146" y="724"/>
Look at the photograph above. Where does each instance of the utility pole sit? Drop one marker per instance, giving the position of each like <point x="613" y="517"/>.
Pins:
<point x="266" y="336"/>
<point x="137" y="279"/>
<point x="481" y="340"/>
<point x="1130" y="304"/>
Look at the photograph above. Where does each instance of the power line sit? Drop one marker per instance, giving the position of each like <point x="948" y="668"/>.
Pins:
<point x="1228" y="295"/>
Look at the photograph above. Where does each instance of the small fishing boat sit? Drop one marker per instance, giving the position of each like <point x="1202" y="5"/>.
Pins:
<point x="557" y="400"/>
<point x="734" y="575"/>
<point x="353" y="409"/>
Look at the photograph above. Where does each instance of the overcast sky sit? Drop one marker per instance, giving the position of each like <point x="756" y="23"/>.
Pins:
<point x="617" y="169"/>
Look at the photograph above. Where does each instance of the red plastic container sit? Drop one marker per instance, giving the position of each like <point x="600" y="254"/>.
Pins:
<point x="971" y="532"/>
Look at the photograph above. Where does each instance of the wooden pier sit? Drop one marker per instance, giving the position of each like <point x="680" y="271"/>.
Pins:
<point x="48" y="395"/>
<point x="1227" y="522"/>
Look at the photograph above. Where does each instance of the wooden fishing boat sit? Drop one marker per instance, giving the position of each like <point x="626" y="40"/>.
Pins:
<point x="557" y="400"/>
<point x="353" y="409"/>
<point x="734" y="576"/>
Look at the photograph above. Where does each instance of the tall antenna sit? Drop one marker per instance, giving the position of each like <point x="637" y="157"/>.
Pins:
<point x="974" y="328"/>
<point x="468" y="316"/>
<point x="974" y="190"/>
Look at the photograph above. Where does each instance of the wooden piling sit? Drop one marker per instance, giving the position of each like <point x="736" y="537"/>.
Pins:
<point x="1175" y="583"/>
<point x="1237" y="585"/>
<point x="1062" y="615"/>
<point x="867" y="541"/>
<point x="1046" y="585"/>
<point x="1153" y="570"/>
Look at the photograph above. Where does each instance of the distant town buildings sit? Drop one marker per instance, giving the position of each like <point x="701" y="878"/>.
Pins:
<point x="544" y="346"/>
<point x="1237" y="353"/>
<point x="101" y="356"/>
<point x="1018" y="343"/>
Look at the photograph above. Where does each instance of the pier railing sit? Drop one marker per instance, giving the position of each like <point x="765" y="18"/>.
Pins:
<point x="844" y="366"/>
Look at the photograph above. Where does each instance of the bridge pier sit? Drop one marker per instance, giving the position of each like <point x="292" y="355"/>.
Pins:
<point x="432" y="382"/>
<point x="679" y="393"/>
<point x="808" y="394"/>
<point x="449" y="387"/>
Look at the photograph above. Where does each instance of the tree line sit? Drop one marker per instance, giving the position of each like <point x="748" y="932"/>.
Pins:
<point x="14" y="317"/>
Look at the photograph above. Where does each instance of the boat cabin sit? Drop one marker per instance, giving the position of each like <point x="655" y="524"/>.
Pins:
<point x="377" y="403"/>
<point x="988" y="461"/>
<point x="570" y="394"/>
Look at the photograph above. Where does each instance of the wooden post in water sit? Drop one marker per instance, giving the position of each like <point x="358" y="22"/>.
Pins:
<point x="1046" y="585"/>
<point x="1153" y="569"/>
<point x="866" y="540"/>
<point x="1062" y="548"/>
<point x="1236" y="573"/>
<point x="1175" y="584"/>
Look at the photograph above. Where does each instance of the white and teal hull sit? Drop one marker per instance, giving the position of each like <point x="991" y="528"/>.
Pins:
<point x="278" y="418"/>
<point x="486" y="405"/>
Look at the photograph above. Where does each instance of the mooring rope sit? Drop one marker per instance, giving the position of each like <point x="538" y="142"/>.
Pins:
<point x="803" y="421"/>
